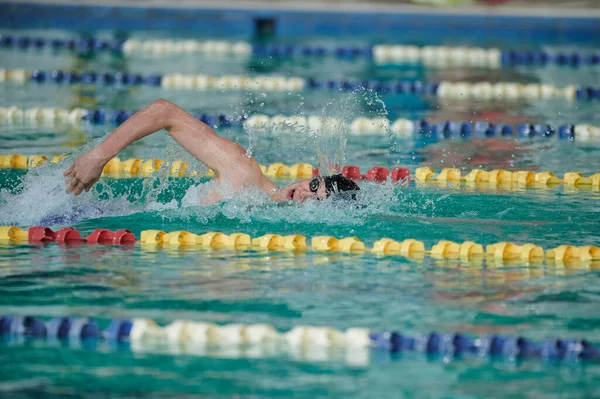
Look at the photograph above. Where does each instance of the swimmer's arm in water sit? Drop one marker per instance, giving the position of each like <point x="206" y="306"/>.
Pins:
<point x="222" y="155"/>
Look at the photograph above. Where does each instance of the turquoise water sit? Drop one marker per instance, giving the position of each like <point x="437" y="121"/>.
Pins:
<point x="538" y="301"/>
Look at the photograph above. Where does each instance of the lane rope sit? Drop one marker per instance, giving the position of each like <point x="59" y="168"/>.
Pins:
<point x="299" y="338"/>
<point x="409" y="248"/>
<point x="447" y="90"/>
<point x="403" y="128"/>
<point x="431" y="56"/>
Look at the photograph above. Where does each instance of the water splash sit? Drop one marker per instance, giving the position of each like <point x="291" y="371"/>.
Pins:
<point x="254" y="207"/>
<point x="43" y="201"/>
<point x="330" y="142"/>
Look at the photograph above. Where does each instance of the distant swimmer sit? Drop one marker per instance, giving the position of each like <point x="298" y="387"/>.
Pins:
<point x="232" y="166"/>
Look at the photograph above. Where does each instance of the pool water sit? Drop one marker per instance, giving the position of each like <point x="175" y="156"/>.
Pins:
<point x="538" y="301"/>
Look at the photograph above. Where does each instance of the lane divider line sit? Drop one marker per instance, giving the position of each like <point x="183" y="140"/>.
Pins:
<point x="403" y="128"/>
<point x="444" y="249"/>
<point x="139" y="331"/>
<point x="447" y="90"/>
<point x="431" y="56"/>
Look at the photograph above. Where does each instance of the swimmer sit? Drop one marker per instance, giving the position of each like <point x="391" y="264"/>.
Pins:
<point x="227" y="159"/>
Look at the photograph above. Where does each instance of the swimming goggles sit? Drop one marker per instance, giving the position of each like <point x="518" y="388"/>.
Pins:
<point x="314" y="184"/>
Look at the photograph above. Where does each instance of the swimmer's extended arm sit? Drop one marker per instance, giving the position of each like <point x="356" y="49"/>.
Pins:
<point x="218" y="153"/>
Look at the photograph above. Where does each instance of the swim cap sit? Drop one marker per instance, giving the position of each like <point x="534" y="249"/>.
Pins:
<point x="340" y="187"/>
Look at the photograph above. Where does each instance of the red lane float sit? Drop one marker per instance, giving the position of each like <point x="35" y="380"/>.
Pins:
<point x="69" y="235"/>
<point x="377" y="173"/>
<point x="352" y="172"/>
<point x="41" y="234"/>
<point x="124" y="237"/>
<point x="400" y="174"/>
<point x="103" y="236"/>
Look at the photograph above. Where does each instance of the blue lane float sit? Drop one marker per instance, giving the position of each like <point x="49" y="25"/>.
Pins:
<point x="117" y="117"/>
<point x="81" y="44"/>
<point x="379" y="53"/>
<point x="434" y="343"/>
<point x="58" y="327"/>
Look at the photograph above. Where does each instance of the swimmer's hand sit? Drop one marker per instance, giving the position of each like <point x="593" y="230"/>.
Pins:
<point x="85" y="172"/>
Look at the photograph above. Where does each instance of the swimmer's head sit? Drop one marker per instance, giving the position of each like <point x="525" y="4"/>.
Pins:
<point x="320" y="188"/>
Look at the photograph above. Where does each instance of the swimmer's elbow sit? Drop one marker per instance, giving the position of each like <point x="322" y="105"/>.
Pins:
<point x="164" y="111"/>
<point x="162" y="103"/>
<point x="162" y="107"/>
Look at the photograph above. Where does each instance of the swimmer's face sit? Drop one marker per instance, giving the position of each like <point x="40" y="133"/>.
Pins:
<point x="304" y="189"/>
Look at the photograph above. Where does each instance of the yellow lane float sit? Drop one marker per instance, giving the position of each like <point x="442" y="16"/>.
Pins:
<point x="565" y="253"/>
<point x="13" y="233"/>
<point x="504" y="179"/>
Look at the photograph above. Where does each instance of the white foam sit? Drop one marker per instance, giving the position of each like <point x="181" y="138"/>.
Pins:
<point x="43" y="200"/>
